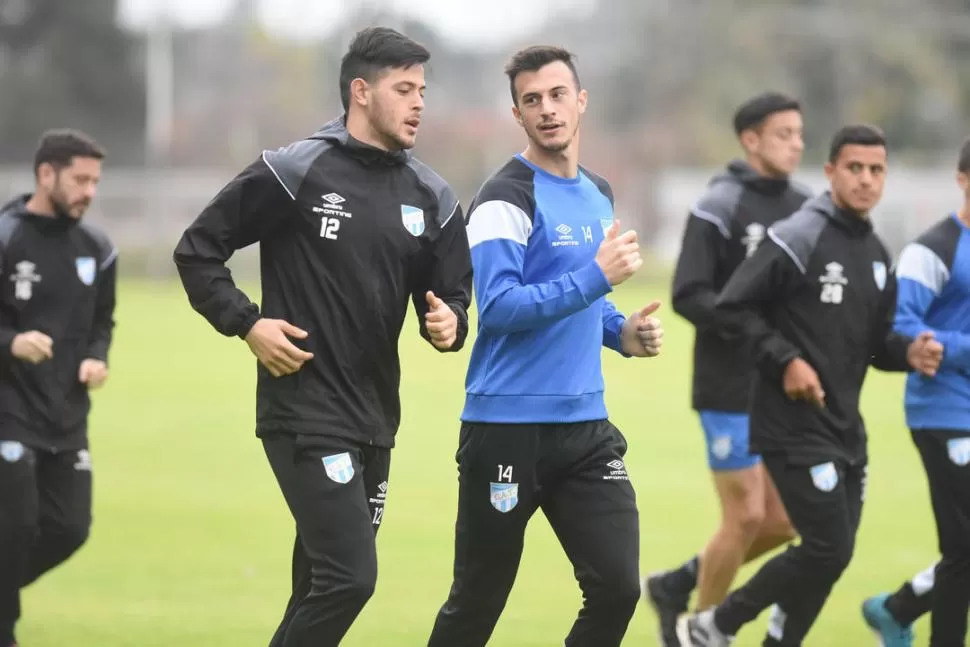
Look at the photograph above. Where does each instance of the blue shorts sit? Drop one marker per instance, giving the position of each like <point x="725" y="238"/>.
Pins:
<point x="726" y="434"/>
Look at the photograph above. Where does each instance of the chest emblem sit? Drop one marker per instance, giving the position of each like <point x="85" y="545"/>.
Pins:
<point x="833" y="283"/>
<point x="753" y="235"/>
<point x="879" y="274"/>
<point x="23" y="280"/>
<point x="86" y="269"/>
<point x="413" y="219"/>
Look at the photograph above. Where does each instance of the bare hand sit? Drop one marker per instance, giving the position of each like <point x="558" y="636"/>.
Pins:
<point x="802" y="383"/>
<point x="925" y="354"/>
<point x="269" y="343"/>
<point x="32" y="346"/>
<point x="441" y="322"/>
<point x="619" y="254"/>
<point x="642" y="334"/>
<point x="92" y="372"/>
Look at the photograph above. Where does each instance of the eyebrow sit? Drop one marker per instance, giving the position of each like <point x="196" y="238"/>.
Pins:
<point x="537" y="93"/>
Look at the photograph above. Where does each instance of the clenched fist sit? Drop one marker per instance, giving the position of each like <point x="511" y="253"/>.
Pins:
<point x="92" y="372"/>
<point x="619" y="254"/>
<point x="801" y="383"/>
<point x="642" y="334"/>
<point x="925" y="354"/>
<point x="32" y="346"/>
<point x="441" y="322"/>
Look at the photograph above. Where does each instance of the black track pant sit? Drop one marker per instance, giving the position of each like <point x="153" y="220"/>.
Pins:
<point x="575" y="474"/>
<point x="824" y="503"/>
<point x="45" y="516"/>
<point x="335" y="490"/>
<point x="946" y="457"/>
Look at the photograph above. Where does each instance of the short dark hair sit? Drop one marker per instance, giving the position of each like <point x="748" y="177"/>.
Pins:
<point x="753" y="112"/>
<point x="375" y="50"/>
<point x="532" y="59"/>
<point x="963" y="163"/>
<point x="856" y="134"/>
<point x="59" y="146"/>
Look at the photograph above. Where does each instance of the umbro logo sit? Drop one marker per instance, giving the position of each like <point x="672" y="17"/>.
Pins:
<point x="616" y="464"/>
<point x="333" y="198"/>
<point x="382" y="487"/>
<point x="564" y="229"/>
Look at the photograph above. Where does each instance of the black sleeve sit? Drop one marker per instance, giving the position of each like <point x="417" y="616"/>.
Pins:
<point x="449" y="276"/>
<point x="245" y="211"/>
<point x="890" y="346"/>
<point x="694" y="295"/>
<point x="104" y="309"/>
<point x="763" y="278"/>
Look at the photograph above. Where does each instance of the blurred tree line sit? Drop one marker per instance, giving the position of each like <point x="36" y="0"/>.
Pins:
<point x="664" y="75"/>
<point x="66" y="63"/>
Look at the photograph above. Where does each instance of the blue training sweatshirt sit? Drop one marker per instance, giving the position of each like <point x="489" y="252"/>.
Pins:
<point x="542" y="313"/>
<point x="933" y="274"/>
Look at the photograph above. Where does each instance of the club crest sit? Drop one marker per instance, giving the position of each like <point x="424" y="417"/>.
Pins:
<point x="340" y="468"/>
<point x="825" y="477"/>
<point x="413" y="219"/>
<point x="879" y="273"/>
<point x="86" y="269"/>
<point x="11" y="451"/>
<point x="959" y="450"/>
<point x="504" y="496"/>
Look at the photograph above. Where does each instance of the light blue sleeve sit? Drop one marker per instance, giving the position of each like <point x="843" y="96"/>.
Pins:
<point x="921" y="275"/>
<point x="498" y="233"/>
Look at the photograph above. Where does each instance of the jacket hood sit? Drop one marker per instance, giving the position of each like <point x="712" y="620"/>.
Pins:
<point x="741" y="172"/>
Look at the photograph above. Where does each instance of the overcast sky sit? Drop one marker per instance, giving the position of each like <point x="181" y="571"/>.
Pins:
<point x="475" y="22"/>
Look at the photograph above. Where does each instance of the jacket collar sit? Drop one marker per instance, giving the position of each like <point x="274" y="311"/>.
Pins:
<point x="851" y="221"/>
<point x="335" y="132"/>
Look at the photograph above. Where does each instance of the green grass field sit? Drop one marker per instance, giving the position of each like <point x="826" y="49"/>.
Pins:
<point x="191" y="540"/>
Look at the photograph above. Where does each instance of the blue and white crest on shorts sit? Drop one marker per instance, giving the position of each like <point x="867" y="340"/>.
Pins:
<point x="339" y="467"/>
<point x="825" y="476"/>
<point x="879" y="273"/>
<point x="413" y="219"/>
<point x="722" y="446"/>
<point x="86" y="269"/>
<point x="959" y="450"/>
<point x="504" y="496"/>
<point x="11" y="451"/>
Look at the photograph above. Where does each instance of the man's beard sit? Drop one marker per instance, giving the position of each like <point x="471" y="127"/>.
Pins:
<point x="383" y="125"/>
<point x="62" y="209"/>
<point x="553" y="148"/>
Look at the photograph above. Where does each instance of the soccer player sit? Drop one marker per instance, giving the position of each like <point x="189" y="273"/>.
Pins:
<point x="815" y="304"/>
<point x="934" y="294"/>
<point x="535" y="432"/>
<point x="723" y="228"/>
<point x="351" y="227"/>
<point x="57" y="301"/>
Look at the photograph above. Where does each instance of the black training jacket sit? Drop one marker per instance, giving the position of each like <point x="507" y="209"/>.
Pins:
<point x="58" y="278"/>
<point x="348" y="235"/>
<point x="820" y="288"/>
<point x="723" y="228"/>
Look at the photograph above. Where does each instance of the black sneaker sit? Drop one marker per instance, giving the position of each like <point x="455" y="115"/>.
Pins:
<point x="667" y="606"/>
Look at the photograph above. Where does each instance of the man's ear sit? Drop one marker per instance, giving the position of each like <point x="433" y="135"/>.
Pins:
<point x="360" y="92"/>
